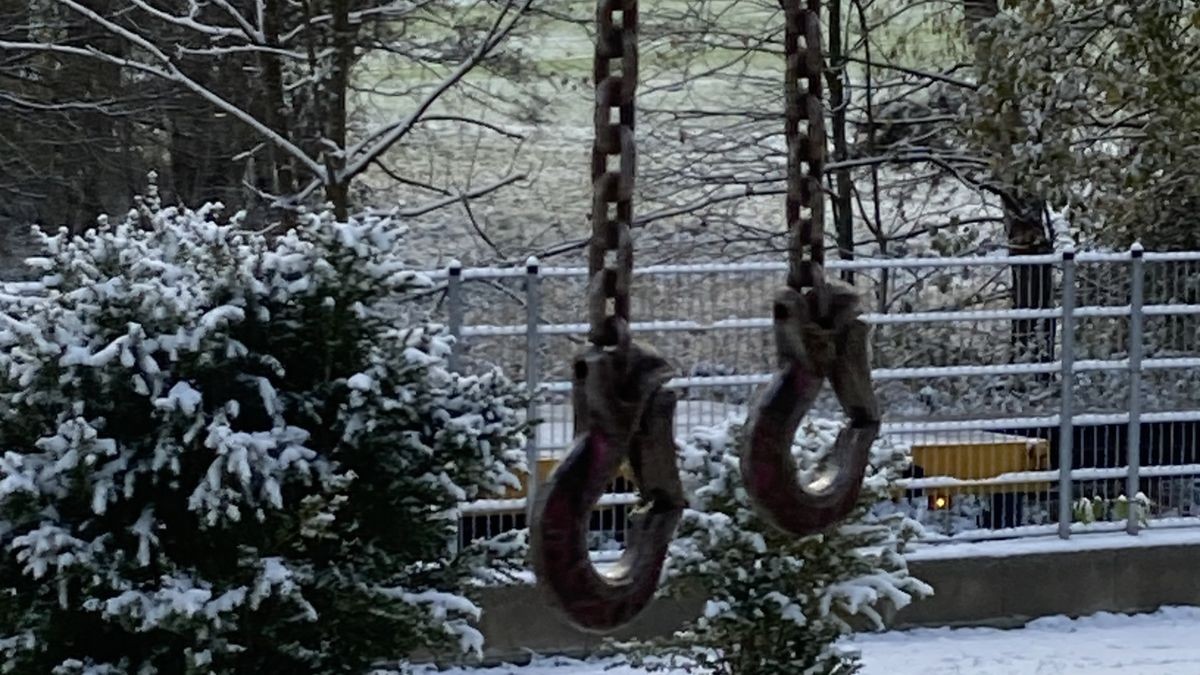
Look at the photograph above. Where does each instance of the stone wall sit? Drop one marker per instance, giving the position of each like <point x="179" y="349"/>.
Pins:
<point x="1001" y="592"/>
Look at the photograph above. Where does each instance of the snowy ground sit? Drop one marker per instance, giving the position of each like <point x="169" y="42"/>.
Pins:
<point x="1154" y="644"/>
<point x="1105" y="644"/>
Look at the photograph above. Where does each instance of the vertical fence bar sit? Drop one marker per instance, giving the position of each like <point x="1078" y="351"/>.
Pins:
<point x="454" y="311"/>
<point x="533" y="343"/>
<point x="1066" y="430"/>
<point x="454" y="316"/>
<point x="1137" y="291"/>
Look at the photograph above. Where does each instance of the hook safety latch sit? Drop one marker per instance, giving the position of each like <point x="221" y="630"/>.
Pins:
<point x="819" y="336"/>
<point x="621" y="412"/>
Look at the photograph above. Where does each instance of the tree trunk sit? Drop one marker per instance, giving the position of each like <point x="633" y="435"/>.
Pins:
<point x="843" y="214"/>
<point x="276" y="109"/>
<point x="339" y="82"/>
<point x="98" y="190"/>
<point x="1025" y="228"/>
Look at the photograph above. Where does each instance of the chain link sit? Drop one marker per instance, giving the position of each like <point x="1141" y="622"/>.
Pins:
<point x="616" y="77"/>
<point x="803" y="93"/>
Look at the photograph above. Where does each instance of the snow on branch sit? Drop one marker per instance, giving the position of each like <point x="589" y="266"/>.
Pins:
<point x="169" y="71"/>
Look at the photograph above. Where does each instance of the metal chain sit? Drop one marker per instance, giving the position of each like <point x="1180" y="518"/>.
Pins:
<point x="616" y="88"/>
<point x="803" y="94"/>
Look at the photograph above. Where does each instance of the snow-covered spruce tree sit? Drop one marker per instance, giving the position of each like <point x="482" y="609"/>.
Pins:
<point x="777" y="604"/>
<point x="222" y="454"/>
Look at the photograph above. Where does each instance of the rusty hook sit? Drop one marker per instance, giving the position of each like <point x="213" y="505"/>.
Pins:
<point x="621" y="412"/>
<point x="813" y="346"/>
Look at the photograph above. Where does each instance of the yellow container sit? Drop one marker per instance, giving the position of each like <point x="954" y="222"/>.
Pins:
<point x="969" y="456"/>
<point x="978" y="456"/>
<point x="545" y="467"/>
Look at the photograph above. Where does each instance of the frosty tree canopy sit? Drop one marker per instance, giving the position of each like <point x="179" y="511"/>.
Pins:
<point x="223" y="452"/>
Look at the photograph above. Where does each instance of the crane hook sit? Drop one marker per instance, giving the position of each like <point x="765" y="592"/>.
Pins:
<point x="818" y="336"/>
<point x="621" y="412"/>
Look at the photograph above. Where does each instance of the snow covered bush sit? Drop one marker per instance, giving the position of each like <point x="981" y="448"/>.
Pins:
<point x="1100" y="509"/>
<point x="778" y="604"/>
<point x="223" y="453"/>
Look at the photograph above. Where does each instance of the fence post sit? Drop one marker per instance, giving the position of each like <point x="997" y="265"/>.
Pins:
<point x="1066" y="430"/>
<point x="1133" y="445"/>
<point x="454" y="310"/>
<point x="533" y="342"/>
<point x="454" y="315"/>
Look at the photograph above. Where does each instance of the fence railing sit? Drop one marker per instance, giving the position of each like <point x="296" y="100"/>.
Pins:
<point x="1036" y="394"/>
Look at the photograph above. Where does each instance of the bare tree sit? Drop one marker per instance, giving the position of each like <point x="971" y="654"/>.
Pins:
<point x="711" y="152"/>
<point x="62" y="154"/>
<point x="283" y="73"/>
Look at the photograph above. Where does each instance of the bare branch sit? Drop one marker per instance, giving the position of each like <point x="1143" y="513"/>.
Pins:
<point x="364" y="153"/>
<point x="169" y="71"/>
<point x="457" y="198"/>
<point x="253" y="33"/>
<point x="188" y="22"/>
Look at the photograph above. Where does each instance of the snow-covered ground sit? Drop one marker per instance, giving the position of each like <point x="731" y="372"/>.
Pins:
<point x="1153" y="644"/>
<point x="1162" y="643"/>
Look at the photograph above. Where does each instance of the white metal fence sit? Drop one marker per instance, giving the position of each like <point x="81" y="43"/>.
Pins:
<point x="1019" y="422"/>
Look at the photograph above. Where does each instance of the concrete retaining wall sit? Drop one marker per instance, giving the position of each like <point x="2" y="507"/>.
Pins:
<point x="969" y="591"/>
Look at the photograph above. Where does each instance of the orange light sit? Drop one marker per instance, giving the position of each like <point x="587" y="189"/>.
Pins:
<point x="940" y="502"/>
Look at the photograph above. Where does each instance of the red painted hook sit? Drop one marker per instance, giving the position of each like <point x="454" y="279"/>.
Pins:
<point x="611" y="429"/>
<point x="812" y="352"/>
